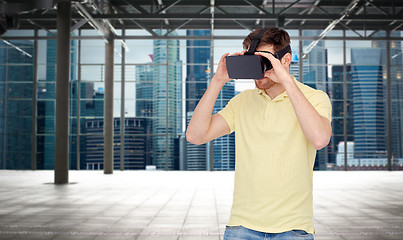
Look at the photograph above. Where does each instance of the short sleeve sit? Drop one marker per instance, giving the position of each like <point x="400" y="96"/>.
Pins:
<point x="322" y="105"/>
<point x="228" y="113"/>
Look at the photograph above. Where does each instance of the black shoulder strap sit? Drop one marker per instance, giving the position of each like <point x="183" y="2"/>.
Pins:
<point x="255" y="41"/>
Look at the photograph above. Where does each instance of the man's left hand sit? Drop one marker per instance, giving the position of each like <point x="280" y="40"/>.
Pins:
<point x="278" y="72"/>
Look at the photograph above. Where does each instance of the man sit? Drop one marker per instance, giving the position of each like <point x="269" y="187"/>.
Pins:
<point x="278" y="126"/>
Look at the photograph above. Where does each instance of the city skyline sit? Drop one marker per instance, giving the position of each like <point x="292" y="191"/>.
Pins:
<point x="315" y="68"/>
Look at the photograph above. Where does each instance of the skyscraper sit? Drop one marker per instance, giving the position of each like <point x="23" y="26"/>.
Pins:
<point x="91" y="106"/>
<point x="135" y="143"/>
<point x="144" y="91"/>
<point x="336" y="93"/>
<point x="369" y="103"/>
<point x="396" y="90"/>
<point x="315" y="75"/>
<point x="144" y="102"/>
<point x="16" y="92"/>
<point x="198" y="67"/>
<point x="294" y="66"/>
<point x="167" y="108"/>
<point x="46" y="106"/>
<point x="198" y="76"/>
<point x="224" y="147"/>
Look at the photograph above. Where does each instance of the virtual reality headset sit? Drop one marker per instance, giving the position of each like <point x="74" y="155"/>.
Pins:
<point x="250" y="66"/>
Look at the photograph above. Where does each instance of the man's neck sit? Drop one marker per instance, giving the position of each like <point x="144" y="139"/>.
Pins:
<point x="275" y="90"/>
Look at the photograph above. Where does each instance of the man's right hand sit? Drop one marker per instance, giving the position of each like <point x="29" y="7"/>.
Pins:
<point x="222" y="74"/>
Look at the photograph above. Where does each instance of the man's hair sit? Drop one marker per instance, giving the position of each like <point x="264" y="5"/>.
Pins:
<point x="279" y="38"/>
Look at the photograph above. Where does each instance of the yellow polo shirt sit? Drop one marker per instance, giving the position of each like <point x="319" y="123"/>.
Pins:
<point x="274" y="161"/>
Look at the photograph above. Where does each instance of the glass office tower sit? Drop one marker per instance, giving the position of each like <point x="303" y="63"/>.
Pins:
<point x="47" y="104"/>
<point x="336" y="93"/>
<point x="167" y="89"/>
<point x="198" y="76"/>
<point x="91" y="104"/>
<point x="224" y="147"/>
<point x="16" y="93"/>
<point x="135" y="143"/>
<point x="198" y="67"/>
<point x="144" y="91"/>
<point x="144" y="103"/>
<point x="315" y="75"/>
<point x="396" y="89"/>
<point x="369" y="103"/>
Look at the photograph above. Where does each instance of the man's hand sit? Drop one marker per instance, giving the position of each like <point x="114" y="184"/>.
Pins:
<point x="278" y="72"/>
<point x="222" y="74"/>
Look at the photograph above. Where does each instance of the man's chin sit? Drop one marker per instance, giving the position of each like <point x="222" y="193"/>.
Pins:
<point x="264" y="83"/>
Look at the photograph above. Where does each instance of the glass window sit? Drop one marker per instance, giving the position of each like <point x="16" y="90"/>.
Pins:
<point x="16" y="94"/>
<point x="165" y="80"/>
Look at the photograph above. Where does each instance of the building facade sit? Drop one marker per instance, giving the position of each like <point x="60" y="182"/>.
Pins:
<point x="336" y="93"/>
<point x="224" y="147"/>
<point x="396" y="89"/>
<point x="16" y="94"/>
<point x="167" y="104"/>
<point x="47" y="105"/>
<point x="197" y="78"/>
<point x="136" y="144"/>
<point x="315" y="75"/>
<point x="144" y="103"/>
<point x="369" y="103"/>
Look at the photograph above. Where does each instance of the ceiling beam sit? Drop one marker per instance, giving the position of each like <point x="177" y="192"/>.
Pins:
<point x="344" y="14"/>
<point x="236" y="21"/>
<point x="138" y="23"/>
<point x="288" y="7"/>
<point x="341" y="23"/>
<point x="78" y="24"/>
<point x="164" y="9"/>
<point x="41" y="27"/>
<point x="257" y="7"/>
<point x="177" y="27"/>
<point x="376" y="7"/>
<point x="245" y="16"/>
<point x="134" y="5"/>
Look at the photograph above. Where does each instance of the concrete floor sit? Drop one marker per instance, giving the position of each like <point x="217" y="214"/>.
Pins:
<point x="183" y="205"/>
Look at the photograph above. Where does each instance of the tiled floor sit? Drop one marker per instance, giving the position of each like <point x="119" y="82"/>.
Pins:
<point x="183" y="205"/>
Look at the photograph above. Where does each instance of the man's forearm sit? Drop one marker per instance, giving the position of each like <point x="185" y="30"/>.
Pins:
<point x="315" y="127"/>
<point x="202" y="115"/>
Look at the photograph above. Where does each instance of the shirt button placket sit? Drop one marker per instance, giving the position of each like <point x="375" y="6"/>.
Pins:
<point x="268" y="110"/>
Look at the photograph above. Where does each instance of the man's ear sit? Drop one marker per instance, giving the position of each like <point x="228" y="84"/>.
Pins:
<point x="286" y="59"/>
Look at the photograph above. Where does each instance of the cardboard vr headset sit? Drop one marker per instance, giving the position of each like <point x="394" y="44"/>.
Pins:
<point x="250" y="66"/>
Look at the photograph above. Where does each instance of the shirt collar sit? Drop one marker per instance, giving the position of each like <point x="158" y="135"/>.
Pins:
<point x="279" y="97"/>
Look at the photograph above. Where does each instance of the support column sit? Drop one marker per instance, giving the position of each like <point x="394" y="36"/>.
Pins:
<point x="108" y="102"/>
<point x="78" y="128"/>
<point x="345" y="101"/>
<point x="122" y="108"/>
<point x="34" y="104"/>
<point x="62" y="93"/>
<point x="167" y="109"/>
<point x="388" y="103"/>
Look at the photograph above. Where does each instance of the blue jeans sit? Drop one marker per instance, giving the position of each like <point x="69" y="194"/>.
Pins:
<point x="242" y="233"/>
